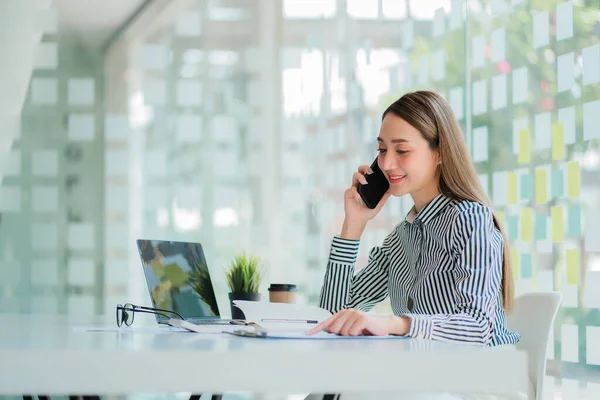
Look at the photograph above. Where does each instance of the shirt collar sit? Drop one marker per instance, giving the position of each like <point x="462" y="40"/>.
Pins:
<point x="429" y="211"/>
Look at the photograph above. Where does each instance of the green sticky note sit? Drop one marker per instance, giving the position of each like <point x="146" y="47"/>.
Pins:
<point x="524" y="147"/>
<point x="556" y="213"/>
<point x="526" y="265"/>
<point x="513" y="227"/>
<point x="574" y="217"/>
<point x="541" y="186"/>
<point x="526" y="186"/>
<point x="540" y="227"/>
<point x="512" y="188"/>
<point x="526" y="224"/>
<point x="558" y="142"/>
<point x="558" y="186"/>
<point x="572" y="266"/>
<point x="574" y="178"/>
<point x="514" y="260"/>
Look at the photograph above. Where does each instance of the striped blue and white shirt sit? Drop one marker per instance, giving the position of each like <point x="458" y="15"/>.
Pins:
<point x="441" y="267"/>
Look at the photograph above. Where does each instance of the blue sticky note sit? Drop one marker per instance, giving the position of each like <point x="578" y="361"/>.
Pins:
<point x="526" y="265"/>
<point x="513" y="226"/>
<point x="540" y="227"/>
<point x="527" y="187"/>
<point x="574" y="218"/>
<point x="558" y="186"/>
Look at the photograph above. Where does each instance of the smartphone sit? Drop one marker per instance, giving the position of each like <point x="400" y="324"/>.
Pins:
<point x="376" y="188"/>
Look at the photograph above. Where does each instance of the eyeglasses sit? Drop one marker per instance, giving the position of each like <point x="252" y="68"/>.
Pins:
<point x="126" y="313"/>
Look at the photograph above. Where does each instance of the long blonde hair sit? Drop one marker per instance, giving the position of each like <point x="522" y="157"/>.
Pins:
<point x="432" y="116"/>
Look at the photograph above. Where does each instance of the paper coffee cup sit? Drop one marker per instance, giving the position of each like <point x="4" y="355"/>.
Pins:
<point x="283" y="293"/>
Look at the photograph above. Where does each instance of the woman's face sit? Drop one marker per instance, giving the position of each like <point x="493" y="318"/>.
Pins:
<point x="406" y="159"/>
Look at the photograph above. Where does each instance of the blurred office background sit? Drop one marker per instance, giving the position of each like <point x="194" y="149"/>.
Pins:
<point x="238" y="124"/>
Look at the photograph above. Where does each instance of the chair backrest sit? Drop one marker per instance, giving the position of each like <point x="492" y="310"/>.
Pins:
<point x="533" y="318"/>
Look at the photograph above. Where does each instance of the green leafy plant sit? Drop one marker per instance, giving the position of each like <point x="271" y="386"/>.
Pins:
<point x="244" y="274"/>
<point x="199" y="280"/>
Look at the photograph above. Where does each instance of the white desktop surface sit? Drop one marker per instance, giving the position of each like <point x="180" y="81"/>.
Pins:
<point x="53" y="355"/>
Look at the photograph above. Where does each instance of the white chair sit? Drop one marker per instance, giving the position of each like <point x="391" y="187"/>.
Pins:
<point x="533" y="318"/>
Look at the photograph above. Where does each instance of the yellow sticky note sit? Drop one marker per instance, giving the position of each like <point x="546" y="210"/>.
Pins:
<point x="556" y="213"/>
<point x="558" y="142"/>
<point x="541" y="186"/>
<point x="512" y="188"/>
<point x="572" y="267"/>
<point x="524" y="147"/>
<point x="514" y="262"/>
<point x="501" y="218"/>
<point x="526" y="225"/>
<point x="574" y="179"/>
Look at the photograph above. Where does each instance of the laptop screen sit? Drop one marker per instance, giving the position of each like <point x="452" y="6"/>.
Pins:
<point x="178" y="278"/>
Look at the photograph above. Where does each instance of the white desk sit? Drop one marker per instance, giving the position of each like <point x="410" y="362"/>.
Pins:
<point x="48" y="355"/>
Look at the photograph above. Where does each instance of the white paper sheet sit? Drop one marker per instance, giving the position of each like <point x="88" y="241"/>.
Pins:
<point x="81" y="127"/>
<point x="566" y="116"/>
<point x="480" y="144"/>
<point x="519" y="85"/>
<point x="499" y="92"/>
<point x="44" y="91"/>
<point x="81" y="92"/>
<point x="44" y="163"/>
<point x="480" y="97"/>
<point x="81" y="236"/>
<point x="10" y="199"/>
<point x="592" y="232"/>
<point x="478" y="51"/>
<point x="592" y="347"/>
<point x="456" y="102"/>
<point x="591" y="120"/>
<point x="44" y="236"/>
<point x="262" y="311"/>
<point x="543" y="130"/>
<point x="46" y="56"/>
<point x="45" y="198"/>
<point x="81" y="271"/>
<point x="188" y="24"/>
<point x="10" y="163"/>
<point x="439" y="65"/>
<point x="565" y="66"/>
<point x="591" y="64"/>
<point x="541" y="29"/>
<point x="569" y="340"/>
<point x="498" y="44"/>
<point x="564" y="20"/>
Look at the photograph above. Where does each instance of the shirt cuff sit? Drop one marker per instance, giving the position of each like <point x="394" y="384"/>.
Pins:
<point x="421" y="326"/>
<point x="344" y="250"/>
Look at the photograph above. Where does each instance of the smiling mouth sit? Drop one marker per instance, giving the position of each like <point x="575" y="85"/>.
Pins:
<point x="397" y="178"/>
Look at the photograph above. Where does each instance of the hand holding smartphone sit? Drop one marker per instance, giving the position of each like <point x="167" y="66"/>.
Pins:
<point x="377" y="186"/>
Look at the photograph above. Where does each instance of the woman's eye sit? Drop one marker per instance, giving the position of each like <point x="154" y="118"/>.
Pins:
<point x="401" y="152"/>
<point x="381" y="151"/>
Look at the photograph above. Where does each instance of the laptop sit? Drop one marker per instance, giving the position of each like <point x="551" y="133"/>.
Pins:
<point x="178" y="280"/>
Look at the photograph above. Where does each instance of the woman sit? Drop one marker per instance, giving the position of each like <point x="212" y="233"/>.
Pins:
<point x="446" y="267"/>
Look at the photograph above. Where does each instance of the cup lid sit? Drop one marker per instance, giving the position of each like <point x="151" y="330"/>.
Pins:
<point x="282" y="287"/>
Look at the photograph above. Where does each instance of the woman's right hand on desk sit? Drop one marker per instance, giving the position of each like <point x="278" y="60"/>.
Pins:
<point x="357" y="213"/>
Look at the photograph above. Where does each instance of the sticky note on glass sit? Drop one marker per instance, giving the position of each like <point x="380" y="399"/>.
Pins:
<point x="513" y="227"/>
<point x="574" y="218"/>
<point x="556" y="213"/>
<point x="572" y="266"/>
<point x="526" y="266"/>
<point x="558" y="187"/>
<point x="526" y="186"/>
<point x="526" y="225"/>
<point x="524" y="147"/>
<point x="541" y="186"/>
<point x="574" y="179"/>
<point x="558" y="142"/>
<point x="514" y="261"/>
<point x="541" y="228"/>
<point x="511" y="186"/>
<point x="501" y="218"/>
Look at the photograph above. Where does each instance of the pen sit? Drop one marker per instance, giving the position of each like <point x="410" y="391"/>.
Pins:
<point x="306" y="321"/>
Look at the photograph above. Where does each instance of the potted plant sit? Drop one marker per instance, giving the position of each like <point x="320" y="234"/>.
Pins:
<point x="243" y="278"/>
